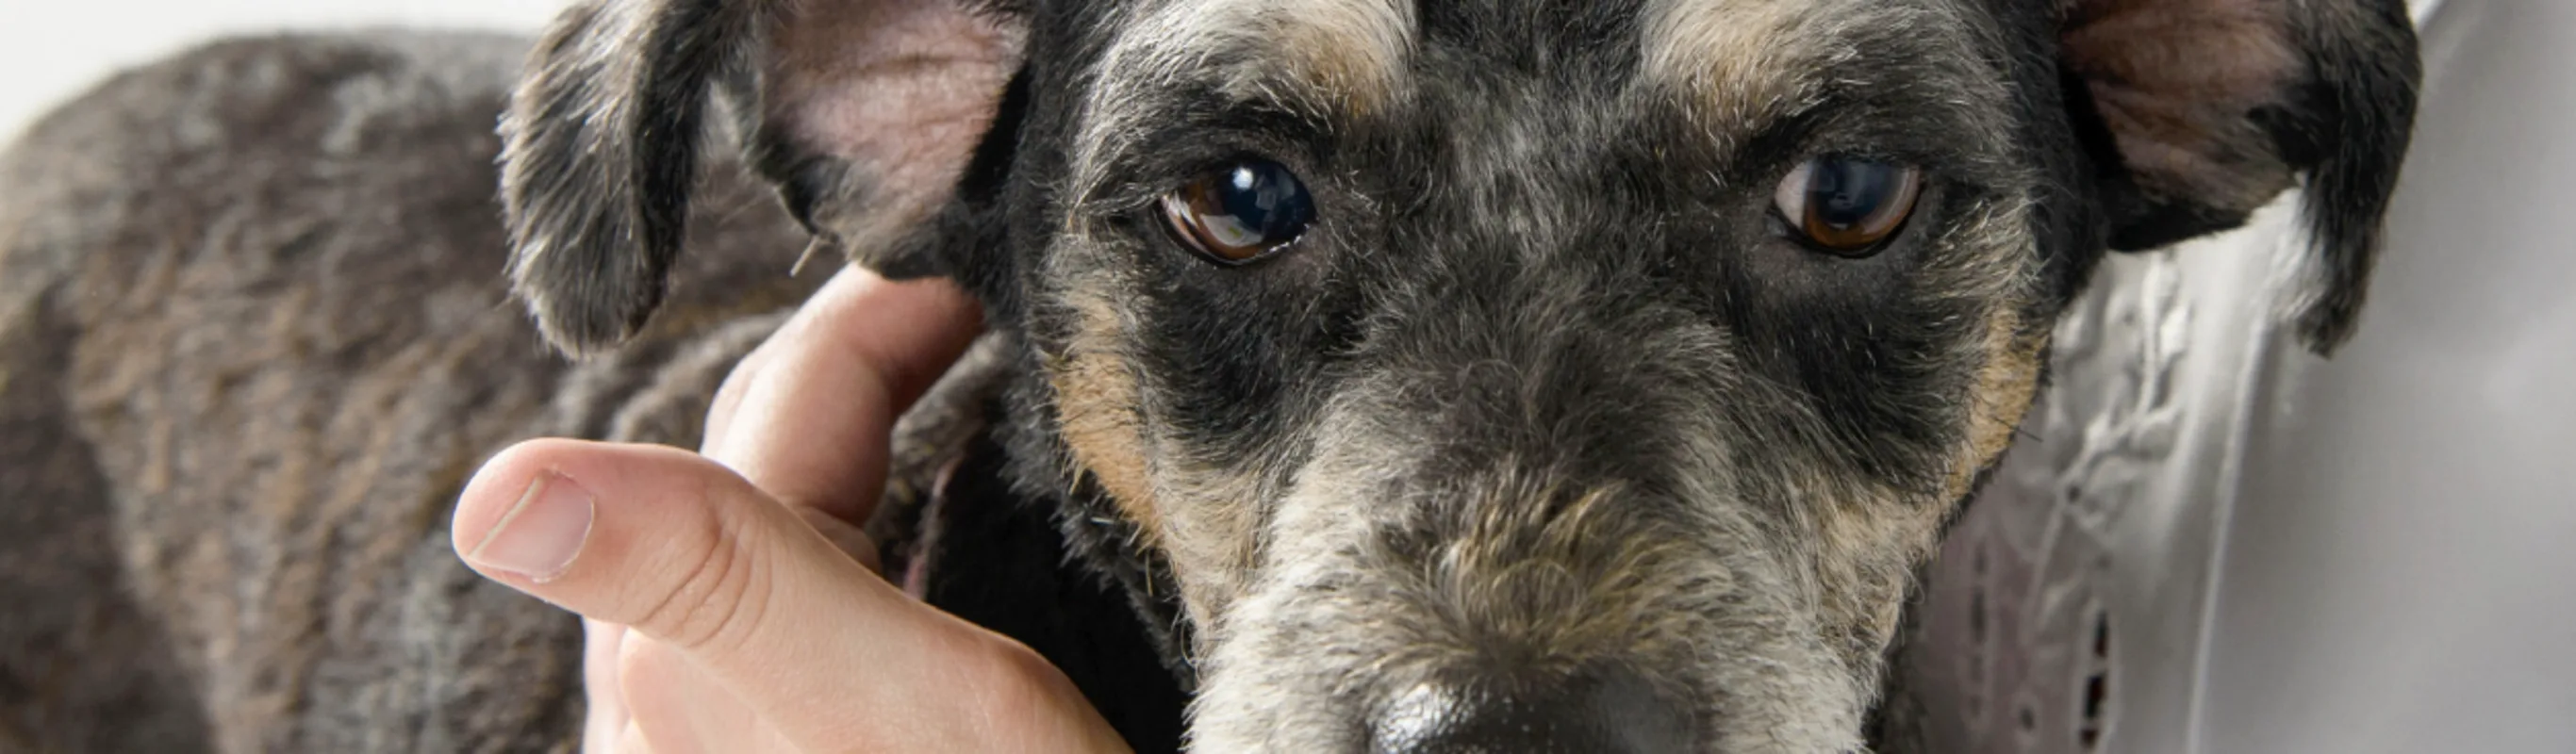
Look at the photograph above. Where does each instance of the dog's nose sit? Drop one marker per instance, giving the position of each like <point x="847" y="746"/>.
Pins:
<point x="1615" y="712"/>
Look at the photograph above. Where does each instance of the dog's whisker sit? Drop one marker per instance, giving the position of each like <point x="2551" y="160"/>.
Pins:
<point x="811" y="248"/>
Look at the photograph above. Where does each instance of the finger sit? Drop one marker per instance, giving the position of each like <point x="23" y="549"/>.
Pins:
<point x="813" y="416"/>
<point x="688" y="553"/>
<point x="728" y="396"/>
<point x="606" y="712"/>
<point x="845" y="536"/>
<point x="720" y="409"/>
<point x="675" y="700"/>
<point x="682" y="708"/>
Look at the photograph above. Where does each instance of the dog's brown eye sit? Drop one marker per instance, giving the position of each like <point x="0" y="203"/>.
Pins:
<point x="1240" y="212"/>
<point x="1848" y="206"/>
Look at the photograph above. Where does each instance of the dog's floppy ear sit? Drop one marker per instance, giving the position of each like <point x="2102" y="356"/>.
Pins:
<point x="862" y="112"/>
<point x="2213" y="107"/>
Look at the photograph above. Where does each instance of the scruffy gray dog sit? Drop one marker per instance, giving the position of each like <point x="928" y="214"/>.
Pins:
<point x="1367" y="375"/>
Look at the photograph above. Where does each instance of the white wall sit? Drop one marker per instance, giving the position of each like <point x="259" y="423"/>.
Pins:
<point x="53" y="49"/>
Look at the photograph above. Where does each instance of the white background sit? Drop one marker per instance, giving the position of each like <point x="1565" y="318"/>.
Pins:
<point x="50" y="50"/>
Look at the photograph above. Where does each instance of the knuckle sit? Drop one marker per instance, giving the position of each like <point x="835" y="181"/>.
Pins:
<point x="1015" y="682"/>
<point x="721" y="596"/>
<point x="1015" y="664"/>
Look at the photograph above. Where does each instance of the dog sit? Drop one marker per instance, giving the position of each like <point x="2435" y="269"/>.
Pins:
<point x="1488" y="375"/>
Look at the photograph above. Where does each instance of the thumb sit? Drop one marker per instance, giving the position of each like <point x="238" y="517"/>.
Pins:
<point x="685" y="551"/>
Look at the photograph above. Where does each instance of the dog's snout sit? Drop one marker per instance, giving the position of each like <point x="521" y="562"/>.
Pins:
<point x="1599" y="711"/>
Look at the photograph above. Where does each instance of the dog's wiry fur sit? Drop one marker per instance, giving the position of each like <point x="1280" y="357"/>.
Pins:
<point x="1541" y="415"/>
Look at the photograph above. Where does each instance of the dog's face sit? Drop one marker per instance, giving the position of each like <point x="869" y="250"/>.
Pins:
<point x="1496" y="374"/>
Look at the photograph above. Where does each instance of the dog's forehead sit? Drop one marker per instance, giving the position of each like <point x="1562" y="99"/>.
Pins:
<point x="1733" y="65"/>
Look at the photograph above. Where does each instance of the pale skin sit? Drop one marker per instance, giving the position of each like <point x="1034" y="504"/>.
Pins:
<point x="729" y="603"/>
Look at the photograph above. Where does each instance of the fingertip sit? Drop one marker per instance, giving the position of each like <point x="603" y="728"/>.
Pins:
<point x="658" y="539"/>
<point x="499" y="486"/>
<point x="809" y="422"/>
<point x="535" y="508"/>
<point x="910" y="331"/>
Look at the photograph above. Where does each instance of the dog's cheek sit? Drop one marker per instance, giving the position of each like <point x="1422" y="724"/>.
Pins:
<point x="1199" y="519"/>
<point x="1989" y="368"/>
<point x="2003" y="389"/>
<point x="1872" y="542"/>
<point x="1096" y="402"/>
<point x="1868" y="545"/>
<point x="1873" y="533"/>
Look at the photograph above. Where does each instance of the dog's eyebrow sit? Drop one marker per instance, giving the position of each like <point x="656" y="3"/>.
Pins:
<point x="1742" y="68"/>
<point x="1322" y="59"/>
<point x="1738" y="63"/>
<point x="1739" y="66"/>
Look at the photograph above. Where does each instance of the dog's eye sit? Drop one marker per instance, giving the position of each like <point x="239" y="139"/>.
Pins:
<point x="1240" y="212"/>
<point x="1848" y="206"/>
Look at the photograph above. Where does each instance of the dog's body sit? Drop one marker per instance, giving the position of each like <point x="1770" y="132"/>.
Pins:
<point x="1551" y="428"/>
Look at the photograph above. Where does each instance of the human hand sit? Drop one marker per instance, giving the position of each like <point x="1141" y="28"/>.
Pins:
<point x="730" y="602"/>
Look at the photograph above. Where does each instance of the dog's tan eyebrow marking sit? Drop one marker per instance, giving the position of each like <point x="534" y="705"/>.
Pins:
<point x="1319" y="58"/>
<point x="1347" y="53"/>
<point x="1737" y="66"/>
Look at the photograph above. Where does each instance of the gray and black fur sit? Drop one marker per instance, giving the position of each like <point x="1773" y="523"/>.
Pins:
<point x="1542" y="436"/>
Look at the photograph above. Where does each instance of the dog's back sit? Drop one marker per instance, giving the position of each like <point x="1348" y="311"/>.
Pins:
<point x="254" y="335"/>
